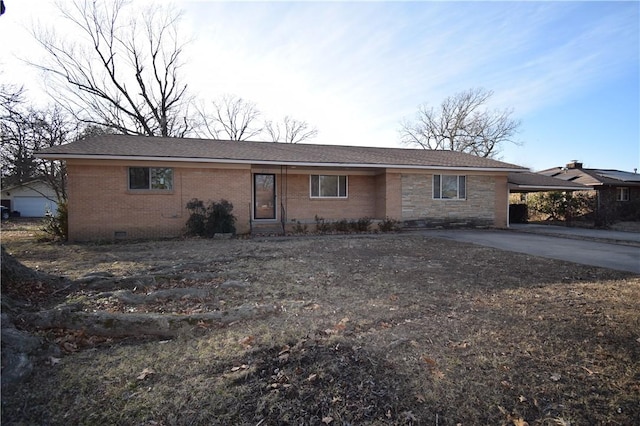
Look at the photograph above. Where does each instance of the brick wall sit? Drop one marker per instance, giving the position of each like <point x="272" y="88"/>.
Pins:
<point x="360" y="201"/>
<point x="102" y="208"/>
<point x="389" y="196"/>
<point x="484" y="204"/>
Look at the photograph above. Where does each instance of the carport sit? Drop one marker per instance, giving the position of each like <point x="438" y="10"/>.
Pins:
<point x="527" y="182"/>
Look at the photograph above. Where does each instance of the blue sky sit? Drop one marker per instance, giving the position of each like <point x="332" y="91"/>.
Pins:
<point x="569" y="70"/>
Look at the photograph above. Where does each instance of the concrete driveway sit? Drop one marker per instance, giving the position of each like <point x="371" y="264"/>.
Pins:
<point x="622" y="256"/>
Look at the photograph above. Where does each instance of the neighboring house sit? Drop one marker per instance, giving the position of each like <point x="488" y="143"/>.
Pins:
<point x="138" y="187"/>
<point x="30" y="199"/>
<point x="618" y="192"/>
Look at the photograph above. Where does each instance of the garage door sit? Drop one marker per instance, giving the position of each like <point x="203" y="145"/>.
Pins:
<point x="33" y="206"/>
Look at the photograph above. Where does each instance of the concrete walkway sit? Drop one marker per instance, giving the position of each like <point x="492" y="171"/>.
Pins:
<point x="585" y="249"/>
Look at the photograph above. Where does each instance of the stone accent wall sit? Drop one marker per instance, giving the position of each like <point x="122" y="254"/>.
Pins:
<point x="479" y="209"/>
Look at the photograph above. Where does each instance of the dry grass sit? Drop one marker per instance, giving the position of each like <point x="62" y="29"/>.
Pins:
<point x="381" y="329"/>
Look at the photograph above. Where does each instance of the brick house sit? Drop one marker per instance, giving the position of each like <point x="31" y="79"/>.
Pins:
<point x="617" y="191"/>
<point x="138" y="187"/>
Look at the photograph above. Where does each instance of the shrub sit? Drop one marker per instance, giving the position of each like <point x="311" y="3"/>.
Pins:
<point x="360" y="225"/>
<point x="299" y="228"/>
<point x="388" y="225"/>
<point x="322" y="227"/>
<point x="561" y="205"/>
<point x="220" y="220"/>
<point x="197" y="217"/>
<point x="57" y="226"/>
<point x="341" y="225"/>
<point x="216" y="218"/>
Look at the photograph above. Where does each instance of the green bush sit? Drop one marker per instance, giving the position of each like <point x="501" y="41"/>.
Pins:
<point x="216" y="218"/>
<point x="197" y="217"/>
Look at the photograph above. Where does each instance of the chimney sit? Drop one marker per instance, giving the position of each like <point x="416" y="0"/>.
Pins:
<point x="574" y="164"/>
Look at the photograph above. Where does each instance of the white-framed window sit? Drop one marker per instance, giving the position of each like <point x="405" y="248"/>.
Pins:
<point x="622" y="194"/>
<point x="328" y="186"/>
<point x="150" y="178"/>
<point x="449" y="187"/>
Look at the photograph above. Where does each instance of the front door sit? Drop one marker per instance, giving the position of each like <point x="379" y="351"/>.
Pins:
<point x="264" y="196"/>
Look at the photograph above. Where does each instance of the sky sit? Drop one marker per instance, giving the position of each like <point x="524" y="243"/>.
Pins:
<point x="569" y="71"/>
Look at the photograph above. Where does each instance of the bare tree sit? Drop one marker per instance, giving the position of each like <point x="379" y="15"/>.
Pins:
<point x="24" y="130"/>
<point x="290" y="130"/>
<point x="462" y="123"/>
<point x="123" y="70"/>
<point x="232" y="118"/>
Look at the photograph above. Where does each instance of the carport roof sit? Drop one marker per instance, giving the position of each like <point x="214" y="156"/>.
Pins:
<point x="120" y="147"/>
<point x="535" y="182"/>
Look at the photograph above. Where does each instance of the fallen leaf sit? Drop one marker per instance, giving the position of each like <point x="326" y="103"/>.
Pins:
<point x="54" y="361"/>
<point x="432" y="363"/>
<point x="408" y="415"/>
<point x="69" y="347"/>
<point x="555" y="377"/>
<point x="326" y="420"/>
<point x="239" y="367"/>
<point x="145" y="373"/>
<point x="312" y="377"/>
<point x="521" y="398"/>
<point x="393" y="297"/>
<point x="247" y="342"/>
<point x="438" y="374"/>
<point x="285" y="349"/>
<point x="517" y="421"/>
<point x="313" y="307"/>
<point x="385" y="325"/>
<point x="284" y="357"/>
<point x="588" y="371"/>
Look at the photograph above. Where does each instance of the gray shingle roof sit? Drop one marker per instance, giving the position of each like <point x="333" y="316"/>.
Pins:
<point x="594" y="177"/>
<point x="206" y="150"/>
<point x="527" y="181"/>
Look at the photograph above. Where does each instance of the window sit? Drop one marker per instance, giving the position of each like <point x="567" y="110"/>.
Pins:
<point x="328" y="186"/>
<point x="449" y="187"/>
<point x="150" y="178"/>
<point x="622" y="194"/>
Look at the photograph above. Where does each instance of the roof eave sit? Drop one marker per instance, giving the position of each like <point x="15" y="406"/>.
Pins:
<point x="547" y="188"/>
<point x="266" y="162"/>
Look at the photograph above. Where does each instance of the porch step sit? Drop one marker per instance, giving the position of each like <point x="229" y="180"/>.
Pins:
<point x="266" y="229"/>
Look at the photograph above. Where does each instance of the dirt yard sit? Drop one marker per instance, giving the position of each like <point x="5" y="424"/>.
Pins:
<point x="393" y="329"/>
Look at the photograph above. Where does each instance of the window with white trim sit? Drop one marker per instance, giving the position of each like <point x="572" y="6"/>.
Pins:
<point x="449" y="187"/>
<point x="622" y="194"/>
<point x="160" y="178"/>
<point x="328" y="186"/>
